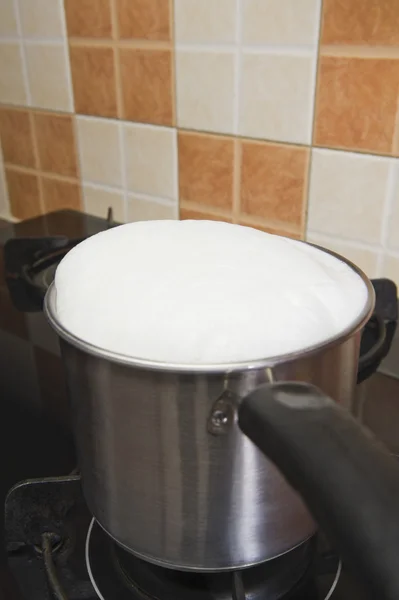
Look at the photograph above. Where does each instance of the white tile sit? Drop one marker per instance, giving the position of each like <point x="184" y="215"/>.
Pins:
<point x="347" y="195"/>
<point x="205" y="90"/>
<point x="390" y="268"/>
<point x="276" y="97"/>
<point x="198" y="21"/>
<point x="151" y="160"/>
<point x="8" y="21"/>
<point x="139" y="209"/>
<point x="284" y="22"/>
<point x="41" y="18"/>
<point x="99" y="150"/>
<point x="364" y="258"/>
<point x="49" y="81"/>
<point x="393" y="224"/>
<point x="98" y="200"/>
<point x="12" y="84"/>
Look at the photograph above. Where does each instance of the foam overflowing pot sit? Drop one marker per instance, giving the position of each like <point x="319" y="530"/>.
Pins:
<point x="204" y="292"/>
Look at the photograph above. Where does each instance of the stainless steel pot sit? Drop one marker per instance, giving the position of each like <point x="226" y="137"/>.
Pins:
<point x="166" y="470"/>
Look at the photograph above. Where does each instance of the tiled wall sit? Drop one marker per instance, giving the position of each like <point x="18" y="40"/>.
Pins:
<point x="281" y="114"/>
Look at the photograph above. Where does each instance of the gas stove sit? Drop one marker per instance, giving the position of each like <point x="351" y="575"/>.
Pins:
<point x="52" y="547"/>
<point x="57" y="550"/>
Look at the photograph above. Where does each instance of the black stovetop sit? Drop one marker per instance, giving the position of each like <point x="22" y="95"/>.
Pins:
<point x="36" y="442"/>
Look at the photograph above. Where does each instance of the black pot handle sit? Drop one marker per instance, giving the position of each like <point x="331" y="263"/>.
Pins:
<point x="377" y="352"/>
<point x="379" y="331"/>
<point x="348" y="479"/>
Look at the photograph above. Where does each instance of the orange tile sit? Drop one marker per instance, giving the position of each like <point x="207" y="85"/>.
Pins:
<point x="356" y="103"/>
<point x="88" y="18"/>
<point x="206" y="165"/>
<point x="93" y="77"/>
<point x="144" y="19"/>
<point x="59" y="194"/>
<point x="369" y="22"/>
<point x="16" y="137"/>
<point x="23" y="192"/>
<point x="147" y="85"/>
<point x="187" y="213"/>
<point x="273" y="181"/>
<point x="56" y="144"/>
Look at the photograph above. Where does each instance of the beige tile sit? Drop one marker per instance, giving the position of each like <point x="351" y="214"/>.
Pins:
<point x="347" y="195"/>
<point x="12" y="85"/>
<point x="276" y="22"/>
<point x="205" y="21"/>
<point x="276" y="97"/>
<point x="364" y="258"/>
<point x="8" y="22"/>
<point x="99" y="150"/>
<point x="393" y="226"/>
<point x="149" y="210"/>
<point x="98" y="200"/>
<point x="41" y="18"/>
<point x="48" y="79"/>
<point x="4" y="204"/>
<point x="390" y="268"/>
<point x="205" y="90"/>
<point x="151" y="160"/>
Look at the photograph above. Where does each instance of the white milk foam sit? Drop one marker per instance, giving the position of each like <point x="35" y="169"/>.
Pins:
<point x="203" y="292"/>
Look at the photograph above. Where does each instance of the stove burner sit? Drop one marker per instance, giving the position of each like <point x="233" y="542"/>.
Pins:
<point x="288" y="576"/>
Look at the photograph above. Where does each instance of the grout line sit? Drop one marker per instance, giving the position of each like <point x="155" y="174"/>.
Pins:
<point x="67" y="58"/>
<point x="306" y="194"/>
<point x="105" y="187"/>
<point x="3" y="184"/>
<point x="294" y="50"/>
<point x="120" y="109"/>
<point x="22" y="53"/>
<point x="40" y="41"/>
<point x="237" y="68"/>
<point x="76" y="146"/>
<point x="237" y="180"/>
<point x="37" y="159"/>
<point x="313" y="100"/>
<point x="33" y="41"/>
<point x="175" y="149"/>
<point x="148" y="198"/>
<point x="316" y="80"/>
<point x="392" y="189"/>
<point x="173" y="62"/>
<point x="39" y="172"/>
<point x="121" y="134"/>
<point x="138" y="44"/>
<point x="395" y="138"/>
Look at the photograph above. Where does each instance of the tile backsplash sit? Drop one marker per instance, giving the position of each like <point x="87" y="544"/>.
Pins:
<point x="282" y="115"/>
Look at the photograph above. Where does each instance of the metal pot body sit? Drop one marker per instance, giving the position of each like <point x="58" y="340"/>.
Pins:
<point x="166" y="470"/>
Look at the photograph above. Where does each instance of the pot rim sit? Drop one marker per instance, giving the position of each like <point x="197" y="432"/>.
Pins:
<point x="229" y="367"/>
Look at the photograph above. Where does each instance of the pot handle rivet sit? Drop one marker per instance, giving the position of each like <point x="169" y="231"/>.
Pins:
<point x="223" y="413"/>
